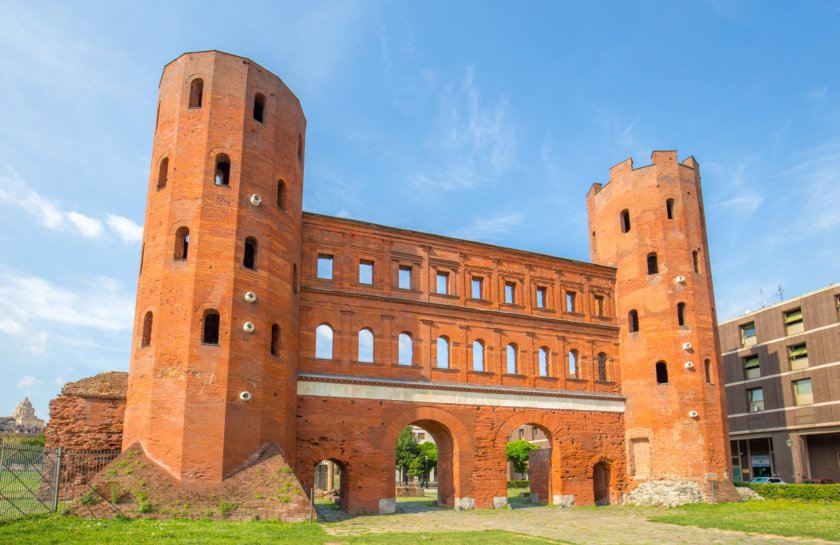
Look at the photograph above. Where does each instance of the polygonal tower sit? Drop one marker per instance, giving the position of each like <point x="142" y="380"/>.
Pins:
<point x="214" y="352"/>
<point x="649" y="224"/>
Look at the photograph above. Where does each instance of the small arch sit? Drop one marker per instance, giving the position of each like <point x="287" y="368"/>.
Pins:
<point x="652" y="263"/>
<point x="406" y="349"/>
<point x="222" y="175"/>
<point x="163" y="173"/>
<point x="707" y="366"/>
<point x="624" y="220"/>
<point x="259" y="107"/>
<point x="633" y="321"/>
<point x="573" y="363"/>
<point x="695" y="255"/>
<point x="661" y="372"/>
<point x="146" y="338"/>
<point x="182" y="242"/>
<point x="681" y="314"/>
<point x="365" y="353"/>
<point x="511" y="359"/>
<point x="275" y="340"/>
<point x="210" y="330"/>
<point x="443" y="352"/>
<point x="543" y="361"/>
<point x="300" y="148"/>
<point x="669" y="209"/>
<point x="281" y="194"/>
<point x="602" y="366"/>
<point x="478" y="355"/>
<point x="196" y="92"/>
<point x="601" y="483"/>
<point x="249" y="257"/>
<point x="324" y="342"/>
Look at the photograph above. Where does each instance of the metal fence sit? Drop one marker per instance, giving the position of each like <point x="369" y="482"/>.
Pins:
<point x="43" y="480"/>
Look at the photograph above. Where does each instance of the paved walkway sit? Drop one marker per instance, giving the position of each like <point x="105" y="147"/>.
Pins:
<point x="584" y="526"/>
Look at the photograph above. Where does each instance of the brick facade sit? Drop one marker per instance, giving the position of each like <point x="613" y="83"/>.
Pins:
<point x="88" y="415"/>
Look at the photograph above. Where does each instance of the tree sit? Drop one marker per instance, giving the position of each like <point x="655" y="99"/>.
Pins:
<point x="425" y="461"/>
<point x="518" y="453"/>
<point x="407" y="450"/>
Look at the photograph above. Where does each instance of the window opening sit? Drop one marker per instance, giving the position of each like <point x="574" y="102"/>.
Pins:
<point x="249" y="259"/>
<point x="652" y="264"/>
<point x="404" y="280"/>
<point x="365" y="272"/>
<point x="325" y="266"/>
<point x="793" y="321"/>
<point x="633" y="321"/>
<point x="443" y="353"/>
<point x="602" y="366"/>
<point x="707" y="364"/>
<point x="281" y="194"/>
<point x="570" y="301"/>
<point x="755" y="398"/>
<point x="752" y="367"/>
<point x="210" y="331"/>
<point x="365" y="345"/>
<point x="747" y="334"/>
<point x="300" y="148"/>
<point x="275" y="340"/>
<point x="476" y="284"/>
<point x="661" y="372"/>
<point x="511" y="359"/>
<point x="259" y="106"/>
<point x="543" y="360"/>
<point x="182" y="242"/>
<point x="324" y="342"/>
<point x="669" y="208"/>
<point x="696" y="256"/>
<point x="681" y="314"/>
<point x="573" y="363"/>
<point x="146" y="338"/>
<point x="534" y="434"/>
<point x="406" y="349"/>
<point x="599" y="305"/>
<point x="222" y="176"/>
<point x="294" y="278"/>
<point x="163" y="173"/>
<point x="510" y="287"/>
<point x="802" y="393"/>
<point x="541" y="295"/>
<point x="478" y="355"/>
<point x="442" y="282"/>
<point x="196" y="92"/>
<point x="798" y="356"/>
<point x="625" y="221"/>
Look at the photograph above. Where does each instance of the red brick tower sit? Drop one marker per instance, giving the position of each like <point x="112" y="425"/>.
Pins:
<point x="214" y="353"/>
<point x="649" y="223"/>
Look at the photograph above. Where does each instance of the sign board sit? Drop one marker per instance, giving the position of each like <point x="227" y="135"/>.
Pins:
<point x="760" y="461"/>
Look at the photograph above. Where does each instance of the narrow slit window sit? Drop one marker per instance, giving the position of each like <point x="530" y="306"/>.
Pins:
<point x="543" y="362"/>
<point x="365" y="346"/>
<point x="573" y="363"/>
<point x="599" y="305"/>
<point x="681" y="314"/>
<point x="478" y="355"/>
<point x="163" y="173"/>
<point x="300" y="148"/>
<point x="406" y="349"/>
<point x="669" y="208"/>
<point x="602" y="367"/>
<point x="182" y="243"/>
<point x="275" y="340"/>
<point x="443" y="353"/>
<point x="249" y="260"/>
<point x="324" y="342"/>
<point x="652" y="264"/>
<point x="661" y="372"/>
<point x="570" y="301"/>
<point x="707" y="365"/>
<point x="365" y="272"/>
<point x="222" y="176"/>
<point x="146" y="338"/>
<point x="511" y="359"/>
<point x="696" y="258"/>
<point x="294" y="278"/>
<point x="325" y="266"/>
<point x="196" y="92"/>
<point x="633" y="321"/>
<point x="259" y="107"/>
<point x="624" y="220"/>
<point x="281" y="194"/>
<point x="210" y="331"/>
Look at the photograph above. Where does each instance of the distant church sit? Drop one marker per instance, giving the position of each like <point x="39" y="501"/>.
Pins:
<point x="23" y="420"/>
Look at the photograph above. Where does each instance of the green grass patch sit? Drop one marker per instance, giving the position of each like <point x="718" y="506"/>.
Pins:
<point x="60" y="530"/>
<point x="779" y="517"/>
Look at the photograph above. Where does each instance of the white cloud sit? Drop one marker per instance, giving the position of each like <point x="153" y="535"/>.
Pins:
<point x="89" y="227"/>
<point x="11" y="327"/>
<point x="125" y="228"/>
<point x="817" y="94"/>
<point x="483" y="229"/>
<point x="742" y="198"/>
<point x="26" y="382"/>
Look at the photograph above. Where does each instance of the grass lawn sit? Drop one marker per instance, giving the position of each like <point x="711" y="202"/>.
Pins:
<point x="12" y="488"/>
<point x="779" y="517"/>
<point x="57" y="529"/>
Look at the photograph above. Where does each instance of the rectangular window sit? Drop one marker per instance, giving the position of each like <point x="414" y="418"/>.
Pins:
<point x="510" y="288"/>
<point x="751" y="367"/>
<point x="534" y="433"/>
<point x="755" y="397"/>
<point x="599" y="305"/>
<point x="798" y="356"/>
<point x="521" y="434"/>
<point x="570" y="301"/>
<point x="793" y="321"/>
<point x="541" y="296"/>
<point x="477" y="284"/>
<point x="442" y="282"/>
<point x="837" y="305"/>
<point x="405" y="277"/>
<point x="802" y="393"/>
<point x="365" y="272"/>
<point x="325" y="266"/>
<point x="747" y="334"/>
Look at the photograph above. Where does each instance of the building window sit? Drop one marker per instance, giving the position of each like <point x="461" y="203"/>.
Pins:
<point x="182" y="242"/>
<point x="324" y="342"/>
<point x="755" y="398"/>
<point x="681" y="314"/>
<point x="543" y="362"/>
<point x="325" y="266"/>
<point x="669" y="208"/>
<point x="624" y="221"/>
<point x="146" y="338"/>
<point x="294" y="278"/>
<point x="196" y="92"/>
<point x="570" y="301"/>
<point x="406" y="349"/>
<point x="510" y="290"/>
<point x="521" y="434"/>
<point x="793" y="321"/>
<point x="837" y="305"/>
<point x="300" y="148"/>
<point x="511" y="359"/>
<point x="222" y="175"/>
<point x="802" y="393"/>
<point x="478" y="355"/>
<point x="707" y="364"/>
<point x="476" y="285"/>
<point x="281" y="194"/>
<point x="163" y="173"/>
<point x="541" y="296"/>
<point x="365" y="346"/>
<point x="210" y="331"/>
<point x="404" y="277"/>
<point x="652" y="263"/>
<point x="443" y="353"/>
<point x="633" y="321"/>
<point x="696" y="257"/>
<point x="275" y="340"/>
<point x="752" y="367"/>
<point x="602" y="367"/>
<point x="249" y="259"/>
<point x="534" y="434"/>
<point x="259" y="107"/>
<point x="365" y="272"/>
<point x="573" y="363"/>
<point x="661" y="372"/>
<point x="798" y="356"/>
<point x="599" y="305"/>
<point x="442" y="282"/>
<point x="747" y="334"/>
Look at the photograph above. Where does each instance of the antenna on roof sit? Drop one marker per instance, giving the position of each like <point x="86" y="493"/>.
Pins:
<point x="763" y="302"/>
<point x="780" y="293"/>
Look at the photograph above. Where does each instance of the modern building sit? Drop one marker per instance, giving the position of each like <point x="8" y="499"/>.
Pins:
<point x="782" y="373"/>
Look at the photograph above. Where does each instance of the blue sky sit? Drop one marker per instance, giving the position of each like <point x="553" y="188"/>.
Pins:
<point x="481" y="120"/>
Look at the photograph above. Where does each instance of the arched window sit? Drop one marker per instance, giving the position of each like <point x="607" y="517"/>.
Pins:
<point x="624" y="220"/>
<point x="633" y="321"/>
<point x="543" y="362"/>
<point x="478" y="355"/>
<point x="406" y="351"/>
<point x="281" y="194"/>
<point x="324" y="342"/>
<point x="259" y="106"/>
<point x="681" y="314"/>
<point x="442" y="353"/>
<point x="222" y="176"/>
<point x="146" y="338"/>
<point x="300" y="148"/>
<point x="210" y="331"/>
<point x="707" y="365"/>
<point x="602" y="366"/>
<point x="249" y="259"/>
<point x="365" y="345"/>
<point x="669" y="208"/>
<point x="573" y="363"/>
<point x="511" y="359"/>
<point x="275" y="340"/>
<point x="163" y="173"/>
<point x="182" y="242"/>
<point x="196" y="92"/>
<point x="696" y="257"/>
<point x="661" y="372"/>
<point x="652" y="263"/>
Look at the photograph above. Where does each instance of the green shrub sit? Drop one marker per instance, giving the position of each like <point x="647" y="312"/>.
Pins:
<point x="740" y="484"/>
<point x="89" y="498"/>
<point x="226" y="508"/>
<point x="115" y="492"/>
<point x="803" y="492"/>
<point x="519" y="484"/>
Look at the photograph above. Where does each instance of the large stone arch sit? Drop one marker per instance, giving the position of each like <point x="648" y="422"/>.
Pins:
<point x="305" y="469"/>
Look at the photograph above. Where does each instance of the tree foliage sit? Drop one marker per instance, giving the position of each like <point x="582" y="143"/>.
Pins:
<point x="413" y="458"/>
<point x="518" y="453"/>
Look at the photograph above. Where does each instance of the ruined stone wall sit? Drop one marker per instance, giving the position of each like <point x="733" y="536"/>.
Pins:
<point x="88" y="415"/>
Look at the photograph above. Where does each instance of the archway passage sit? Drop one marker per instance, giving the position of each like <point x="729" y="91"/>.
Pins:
<point x="523" y="443"/>
<point x="331" y="484"/>
<point x="424" y="464"/>
<point x="601" y="483"/>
